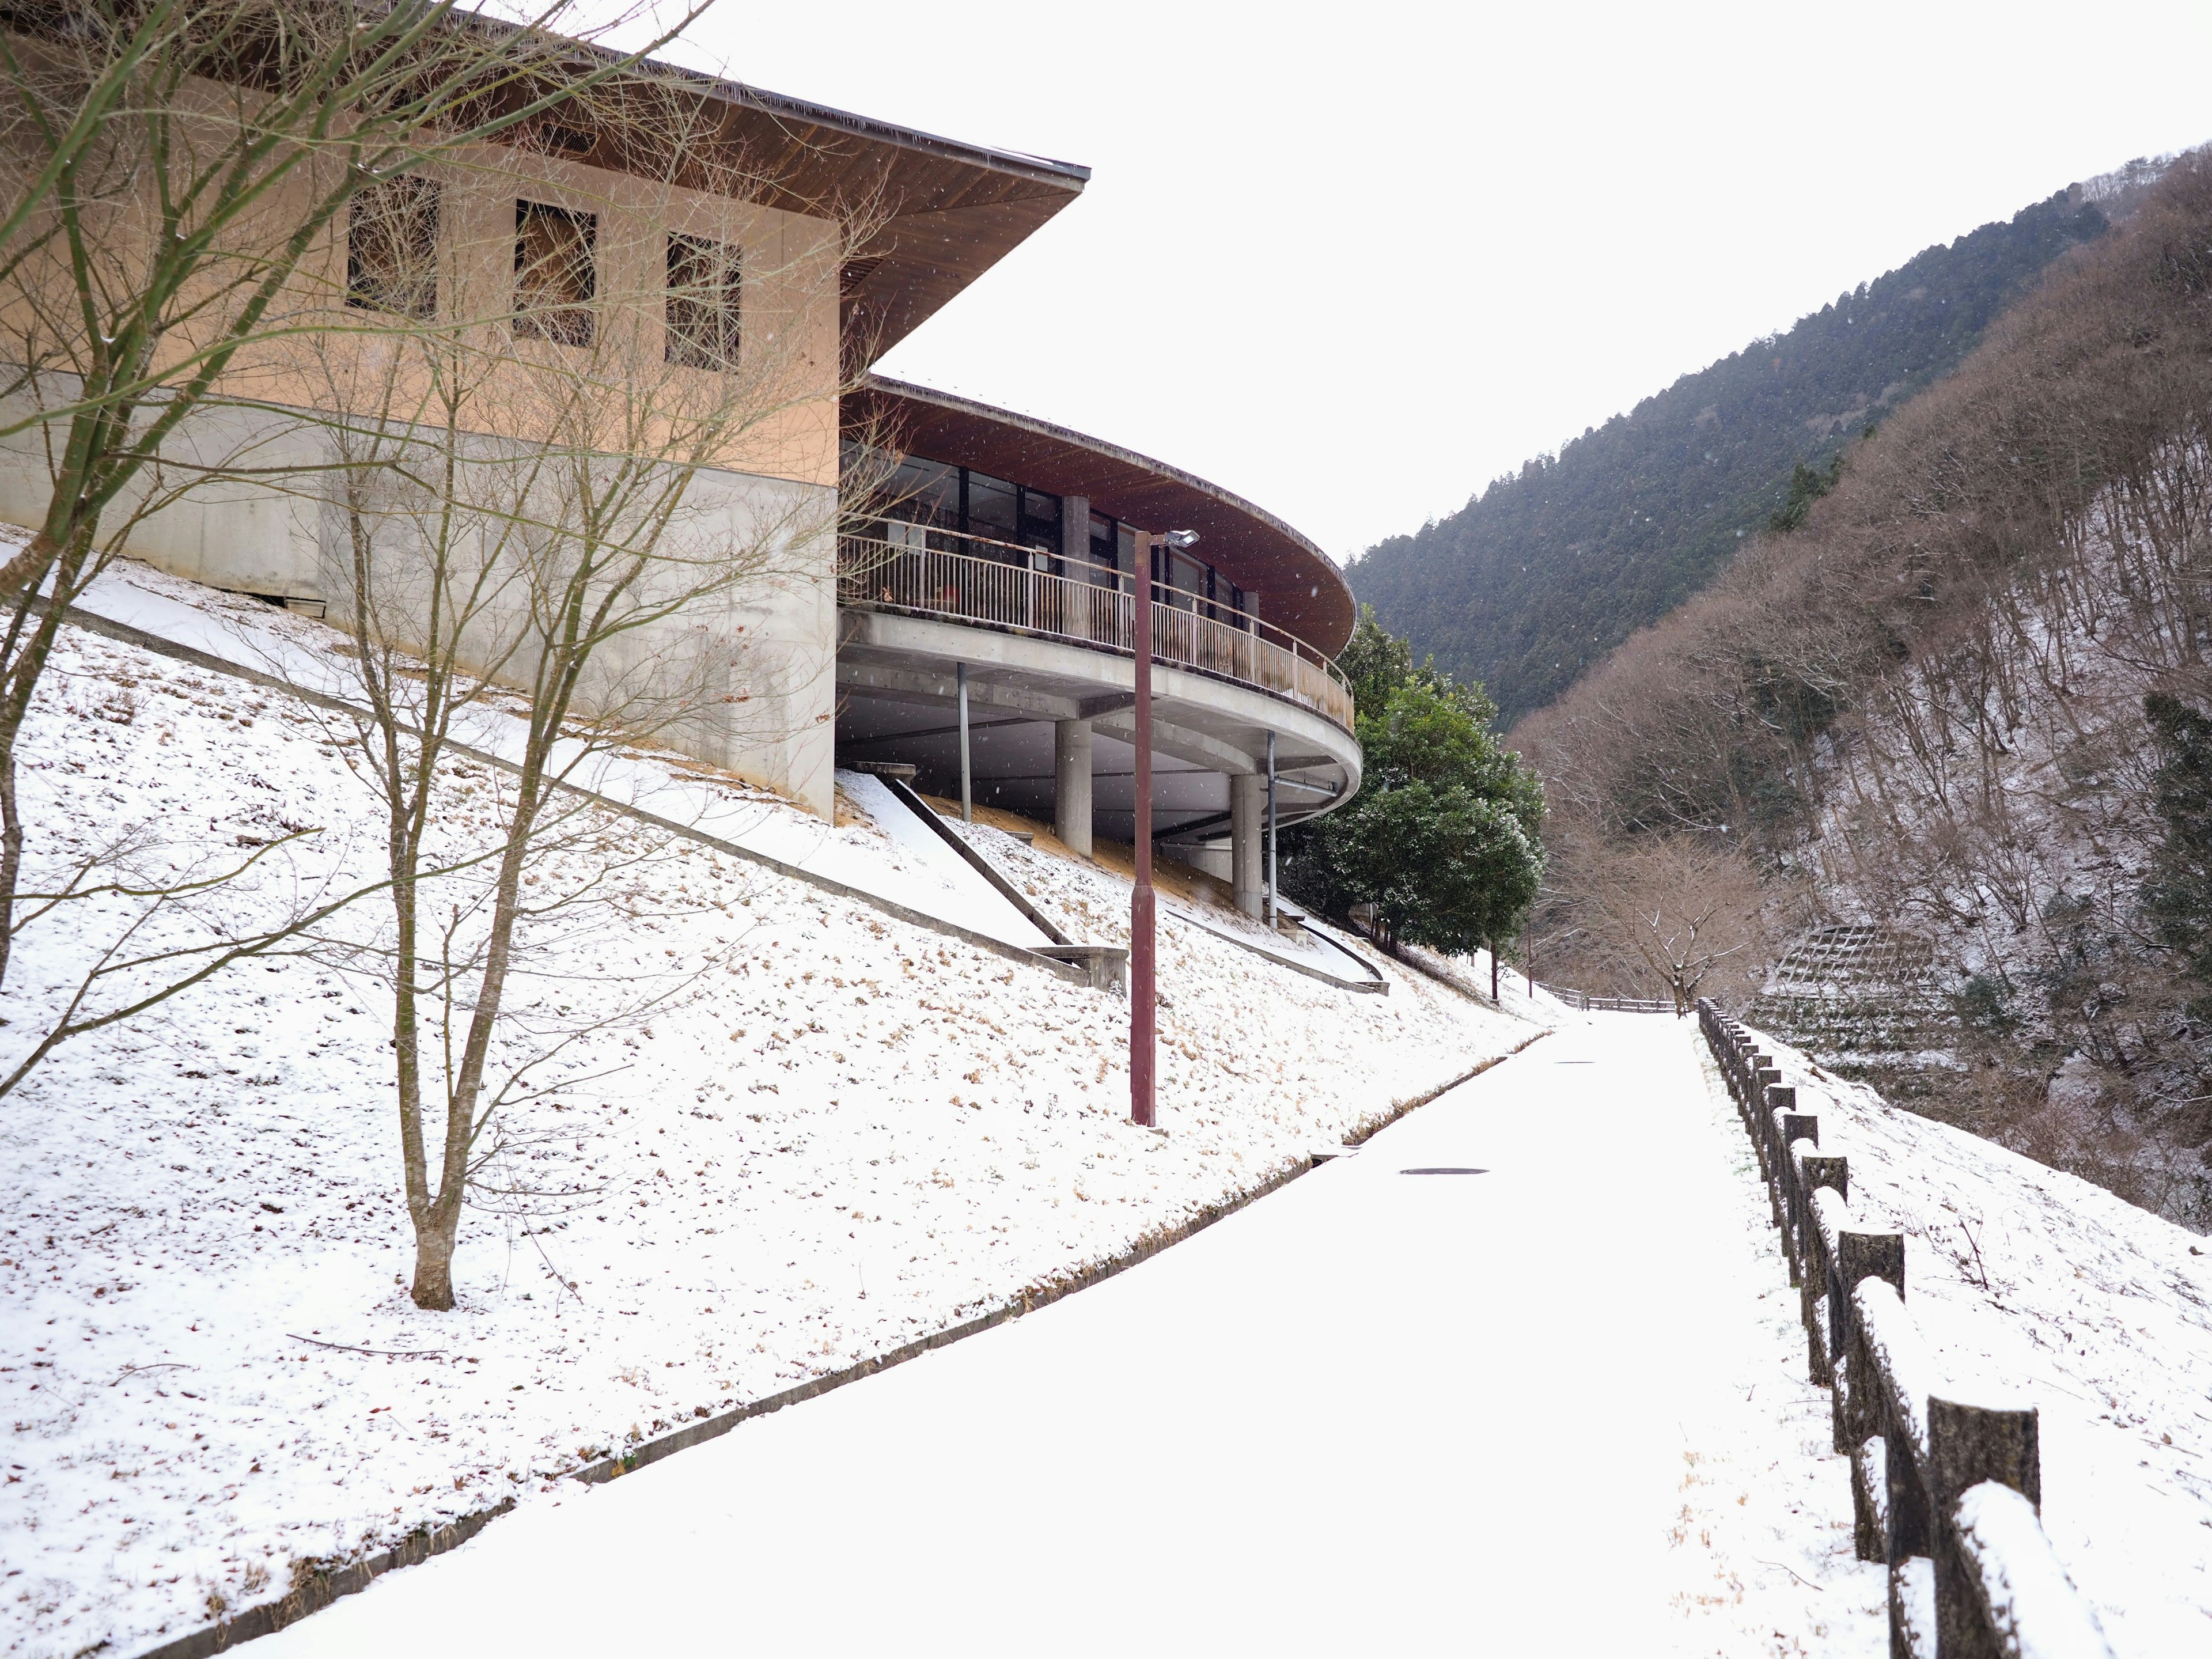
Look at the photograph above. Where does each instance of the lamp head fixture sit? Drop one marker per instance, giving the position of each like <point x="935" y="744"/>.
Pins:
<point x="1181" y="540"/>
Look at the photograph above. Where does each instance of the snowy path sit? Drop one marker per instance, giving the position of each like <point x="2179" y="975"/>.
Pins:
<point x="1378" y="1412"/>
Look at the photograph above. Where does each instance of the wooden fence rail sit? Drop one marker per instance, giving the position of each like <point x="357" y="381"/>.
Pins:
<point x="1587" y="1003"/>
<point x="1948" y="1493"/>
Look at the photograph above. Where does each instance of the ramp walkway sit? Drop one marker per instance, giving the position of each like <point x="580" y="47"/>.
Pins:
<point x="1400" y="1406"/>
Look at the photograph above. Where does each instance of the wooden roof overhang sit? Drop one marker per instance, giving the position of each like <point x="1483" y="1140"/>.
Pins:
<point x="933" y="214"/>
<point x="1301" y="588"/>
<point x="938" y="213"/>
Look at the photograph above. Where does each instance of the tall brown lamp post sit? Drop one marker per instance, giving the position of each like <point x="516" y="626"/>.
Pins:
<point x="1143" y="1000"/>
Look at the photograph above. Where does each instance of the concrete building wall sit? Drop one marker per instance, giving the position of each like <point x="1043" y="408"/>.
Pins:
<point x="757" y="662"/>
<point x="744" y="679"/>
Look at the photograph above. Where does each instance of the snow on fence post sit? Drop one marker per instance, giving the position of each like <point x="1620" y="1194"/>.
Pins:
<point x="1947" y="1494"/>
<point x="1772" y="1098"/>
<point x="1790" y="1127"/>
<point x="1968" y="1445"/>
<point x="1816" y="1174"/>
<point x="2032" y="1605"/>
<point x="1853" y="1257"/>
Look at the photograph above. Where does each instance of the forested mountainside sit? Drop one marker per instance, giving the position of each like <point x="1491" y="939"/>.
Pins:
<point x="1925" y="782"/>
<point x="1550" y="567"/>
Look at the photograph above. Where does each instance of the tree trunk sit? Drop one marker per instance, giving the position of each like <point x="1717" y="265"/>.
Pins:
<point x="28" y="565"/>
<point x="11" y="855"/>
<point x="435" y="1228"/>
<point x="40" y="557"/>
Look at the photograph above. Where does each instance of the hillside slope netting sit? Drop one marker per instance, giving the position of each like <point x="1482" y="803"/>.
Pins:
<point x="769" y="1131"/>
<point x="1548" y="569"/>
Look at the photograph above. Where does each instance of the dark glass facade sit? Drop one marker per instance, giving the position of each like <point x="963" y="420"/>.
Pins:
<point x="1015" y="522"/>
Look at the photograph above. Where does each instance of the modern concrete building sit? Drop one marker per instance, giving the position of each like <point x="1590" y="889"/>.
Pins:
<point x="998" y="569"/>
<point x="989" y="559"/>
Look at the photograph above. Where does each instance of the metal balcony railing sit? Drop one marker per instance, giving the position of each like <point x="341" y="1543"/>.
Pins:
<point x="998" y="586"/>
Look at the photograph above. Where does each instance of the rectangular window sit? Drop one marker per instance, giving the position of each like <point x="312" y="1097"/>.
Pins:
<point x="555" y="280"/>
<point x="1041" y="521"/>
<point x="1186" y="580"/>
<point x="391" y="247"/>
<point x="991" y="507"/>
<point x="928" y="493"/>
<point x="702" y="303"/>
<point x="1102" y="540"/>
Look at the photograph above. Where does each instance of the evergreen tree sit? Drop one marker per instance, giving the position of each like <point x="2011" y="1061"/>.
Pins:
<point x="1807" y="485"/>
<point x="1443" y="838"/>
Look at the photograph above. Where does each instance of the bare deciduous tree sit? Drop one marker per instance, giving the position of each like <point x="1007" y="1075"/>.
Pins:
<point x="172" y="167"/>
<point x="573" y="585"/>
<point x="1673" y="912"/>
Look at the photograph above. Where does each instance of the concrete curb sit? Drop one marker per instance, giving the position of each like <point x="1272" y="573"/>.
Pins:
<point x="314" y="1590"/>
<point x="1376" y="986"/>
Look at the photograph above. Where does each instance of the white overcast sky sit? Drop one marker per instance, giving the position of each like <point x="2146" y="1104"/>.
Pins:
<point x="1353" y="262"/>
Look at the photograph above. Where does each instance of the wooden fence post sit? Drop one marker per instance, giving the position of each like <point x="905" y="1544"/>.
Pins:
<point x="1860" y="1410"/>
<point x="1905" y="1495"/>
<point x="1790" y="1127"/>
<point x="1968" y="1445"/>
<point x="1772" y="1095"/>
<point x="1831" y="1171"/>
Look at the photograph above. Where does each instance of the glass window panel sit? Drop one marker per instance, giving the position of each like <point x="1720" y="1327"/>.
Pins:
<point x="1102" y="540"/>
<point x="555" y="280"/>
<point x="926" y="492"/>
<point x="1041" y="519"/>
<point x="703" y="295"/>
<point x="991" y="508"/>
<point x="391" y="247"/>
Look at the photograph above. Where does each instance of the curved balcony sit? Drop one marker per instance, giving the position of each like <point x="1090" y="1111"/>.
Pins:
<point x="996" y="584"/>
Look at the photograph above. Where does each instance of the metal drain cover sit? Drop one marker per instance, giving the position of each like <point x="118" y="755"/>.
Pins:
<point x="1444" y="1168"/>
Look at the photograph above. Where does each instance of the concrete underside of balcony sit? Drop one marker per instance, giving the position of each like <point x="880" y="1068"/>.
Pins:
<point x="898" y="701"/>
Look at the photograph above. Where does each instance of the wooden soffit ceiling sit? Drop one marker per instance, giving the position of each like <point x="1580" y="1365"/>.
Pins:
<point x="1300" y="588"/>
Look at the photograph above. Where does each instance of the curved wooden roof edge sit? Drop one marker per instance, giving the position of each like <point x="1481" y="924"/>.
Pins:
<point x="1301" y="588"/>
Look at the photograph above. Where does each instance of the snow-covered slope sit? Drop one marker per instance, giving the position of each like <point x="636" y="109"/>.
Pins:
<point x="829" y="1132"/>
<point x="2029" y="1282"/>
<point x="899" y="861"/>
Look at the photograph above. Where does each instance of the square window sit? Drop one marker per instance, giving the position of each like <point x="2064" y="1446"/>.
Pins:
<point x="703" y="284"/>
<point x="555" y="280"/>
<point x="391" y="247"/>
<point x="926" y="492"/>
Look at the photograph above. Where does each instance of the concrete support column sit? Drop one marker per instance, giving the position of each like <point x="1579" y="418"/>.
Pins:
<point x="1075" y="533"/>
<point x="1070" y="784"/>
<point x="1247" y="813"/>
<point x="1078" y="618"/>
